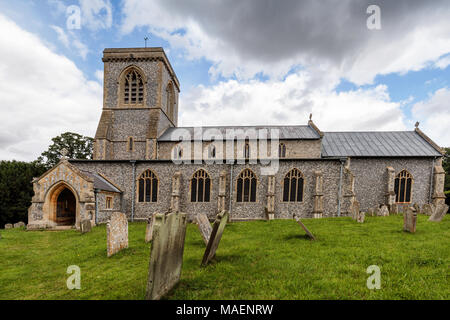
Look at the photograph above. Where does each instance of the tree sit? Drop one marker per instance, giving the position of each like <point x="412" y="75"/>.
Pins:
<point x="16" y="189"/>
<point x="77" y="146"/>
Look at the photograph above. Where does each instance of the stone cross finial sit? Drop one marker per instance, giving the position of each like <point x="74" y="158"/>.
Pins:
<point x="64" y="153"/>
<point x="417" y="124"/>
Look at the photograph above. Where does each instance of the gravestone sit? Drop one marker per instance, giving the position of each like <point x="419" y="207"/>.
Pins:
<point x="410" y="220"/>
<point x="216" y="235"/>
<point x="383" y="211"/>
<point x="166" y="255"/>
<point x="204" y="226"/>
<point x="439" y="213"/>
<point x="8" y="226"/>
<point x="149" y="228"/>
<point x="417" y="208"/>
<point x="310" y="235"/>
<point x="19" y="224"/>
<point x="355" y="210"/>
<point x="370" y="212"/>
<point x="361" y="216"/>
<point x="394" y="209"/>
<point x="85" y="226"/>
<point x="428" y="209"/>
<point x="116" y="233"/>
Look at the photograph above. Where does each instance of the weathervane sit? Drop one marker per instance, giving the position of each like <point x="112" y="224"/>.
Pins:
<point x="145" y="39"/>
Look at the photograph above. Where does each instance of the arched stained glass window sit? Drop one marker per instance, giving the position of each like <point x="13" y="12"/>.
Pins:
<point x="200" y="186"/>
<point x="403" y="187"/>
<point x="293" y="186"/>
<point x="148" y="187"/>
<point x="246" y="186"/>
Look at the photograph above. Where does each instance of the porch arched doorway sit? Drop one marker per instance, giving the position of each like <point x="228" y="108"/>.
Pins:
<point x="63" y="206"/>
<point x="66" y="208"/>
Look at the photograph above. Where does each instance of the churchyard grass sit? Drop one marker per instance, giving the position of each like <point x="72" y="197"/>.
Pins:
<point x="255" y="260"/>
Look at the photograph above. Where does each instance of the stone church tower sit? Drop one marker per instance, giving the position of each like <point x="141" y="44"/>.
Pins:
<point x="140" y="101"/>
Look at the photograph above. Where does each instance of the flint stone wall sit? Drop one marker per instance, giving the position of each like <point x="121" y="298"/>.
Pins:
<point x="120" y="172"/>
<point x="371" y="179"/>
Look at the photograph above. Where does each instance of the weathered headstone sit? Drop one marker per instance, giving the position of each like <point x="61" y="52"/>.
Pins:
<point x="370" y="212"/>
<point x="383" y="211"/>
<point x="204" y="226"/>
<point x="149" y="228"/>
<point x="310" y="235"/>
<point x="417" y="208"/>
<point x="166" y="255"/>
<point x="428" y="209"/>
<point x="355" y="210"/>
<point x="216" y="235"/>
<point x="85" y="226"/>
<point x="361" y="216"/>
<point x="19" y="224"/>
<point x="410" y="220"/>
<point x="393" y="209"/>
<point x="116" y="233"/>
<point x="8" y="226"/>
<point x="439" y="213"/>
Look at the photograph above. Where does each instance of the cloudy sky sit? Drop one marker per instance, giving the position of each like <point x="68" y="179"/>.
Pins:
<point x="240" y="62"/>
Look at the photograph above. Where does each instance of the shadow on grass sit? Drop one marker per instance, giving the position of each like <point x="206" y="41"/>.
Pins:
<point x="298" y="236"/>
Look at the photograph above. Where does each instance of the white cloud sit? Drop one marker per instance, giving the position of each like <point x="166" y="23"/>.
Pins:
<point x="70" y="40"/>
<point x="42" y="95"/>
<point x="443" y="62"/>
<point x="96" y="14"/>
<point x="434" y="116"/>
<point x="246" y="38"/>
<point x="99" y="75"/>
<point x="290" y="102"/>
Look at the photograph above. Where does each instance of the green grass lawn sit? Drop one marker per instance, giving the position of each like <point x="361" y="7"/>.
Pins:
<point x="255" y="260"/>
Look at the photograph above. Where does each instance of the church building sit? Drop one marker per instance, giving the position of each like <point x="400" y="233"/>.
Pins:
<point x="144" y="163"/>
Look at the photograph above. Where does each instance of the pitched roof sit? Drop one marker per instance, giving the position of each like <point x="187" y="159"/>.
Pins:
<point x="376" y="144"/>
<point x="304" y="132"/>
<point x="101" y="183"/>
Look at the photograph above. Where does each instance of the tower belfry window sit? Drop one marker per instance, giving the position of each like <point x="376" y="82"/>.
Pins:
<point x="133" y="88"/>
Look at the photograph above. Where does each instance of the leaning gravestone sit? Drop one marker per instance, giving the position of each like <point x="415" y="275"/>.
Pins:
<point x="85" y="226"/>
<point x="428" y="209"/>
<point x="310" y="235"/>
<point x="116" y="233"/>
<point x="8" y="226"/>
<point x="204" y="226"/>
<point x="19" y="224"/>
<point x="216" y="235"/>
<point x="410" y="220"/>
<point x="149" y="228"/>
<point x="166" y="255"/>
<point x="439" y="213"/>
